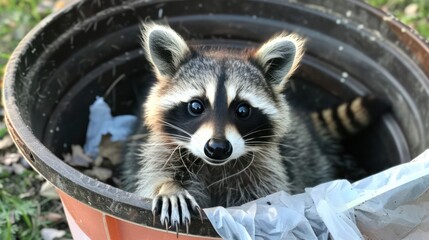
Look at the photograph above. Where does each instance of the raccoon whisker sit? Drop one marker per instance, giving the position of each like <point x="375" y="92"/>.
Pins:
<point x="180" y="138"/>
<point x="193" y="161"/>
<point x="263" y="153"/>
<point x="159" y="150"/>
<point x="253" y="132"/>
<point x="250" y="176"/>
<point x="171" y="155"/>
<point x="235" y="163"/>
<point x="201" y="168"/>
<point x="266" y="136"/>
<point x="203" y="163"/>
<point x="235" y="174"/>
<point x="222" y="183"/>
<point x="175" y="127"/>
<point x="223" y="176"/>
<point x="142" y="136"/>
<point x="173" y="135"/>
<point x="265" y="143"/>
<point x="146" y="144"/>
<point x="155" y="144"/>
<point x="179" y="129"/>
<point x="186" y="152"/>
<point x="178" y="141"/>
<point x="184" y="164"/>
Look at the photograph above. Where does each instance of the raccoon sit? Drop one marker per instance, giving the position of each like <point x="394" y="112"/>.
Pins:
<point x="218" y="130"/>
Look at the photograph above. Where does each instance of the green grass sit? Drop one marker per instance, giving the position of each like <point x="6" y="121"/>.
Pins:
<point x="16" y="219"/>
<point x="22" y="210"/>
<point x="419" y="20"/>
<point x="21" y="216"/>
<point x="17" y="17"/>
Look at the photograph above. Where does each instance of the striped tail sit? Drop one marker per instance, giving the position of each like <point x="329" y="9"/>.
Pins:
<point x="349" y="118"/>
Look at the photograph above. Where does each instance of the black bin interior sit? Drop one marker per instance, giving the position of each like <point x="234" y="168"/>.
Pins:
<point x="352" y="50"/>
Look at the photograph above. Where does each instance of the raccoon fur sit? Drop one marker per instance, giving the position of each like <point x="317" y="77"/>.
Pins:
<point x="217" y="129"/>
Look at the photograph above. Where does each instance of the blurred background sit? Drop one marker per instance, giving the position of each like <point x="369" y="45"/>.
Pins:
<point x="29" y="207"/>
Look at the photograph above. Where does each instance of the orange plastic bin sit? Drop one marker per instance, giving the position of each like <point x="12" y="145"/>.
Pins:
<point x="76" y="54"/>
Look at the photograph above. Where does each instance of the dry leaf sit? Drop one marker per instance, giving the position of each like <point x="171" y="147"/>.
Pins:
<point x="10" y="158"/>
<point x="98" y="161"/>
<point x="100" y="173"/>
<point x="6" y="142"/>
<point x="48" y="190"/>
<point x="52" y="217"/>
<point x="52" y="233"/>
<point x="110" y="150"/>
<point x="67" y="158"/>
<point x="77" y="158"/>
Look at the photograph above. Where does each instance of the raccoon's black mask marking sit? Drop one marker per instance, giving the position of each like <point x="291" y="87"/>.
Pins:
<point x="256" y="128"/>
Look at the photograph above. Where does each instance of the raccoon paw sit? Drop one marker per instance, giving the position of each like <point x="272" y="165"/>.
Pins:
<point x="175" y="209"/>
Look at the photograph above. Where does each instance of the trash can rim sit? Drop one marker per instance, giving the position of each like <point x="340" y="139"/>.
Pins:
<point x="56" y="164"/>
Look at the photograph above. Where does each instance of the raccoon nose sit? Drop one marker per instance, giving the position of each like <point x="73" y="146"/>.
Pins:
<point x="218" y="149"/>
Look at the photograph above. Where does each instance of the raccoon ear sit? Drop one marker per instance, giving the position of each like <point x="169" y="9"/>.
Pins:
<point x="164" y="48"/>
<point x="279" y="57"/>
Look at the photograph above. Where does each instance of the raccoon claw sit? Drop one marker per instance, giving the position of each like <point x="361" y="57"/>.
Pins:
<point x="177" y="229"/>
<point x="187" y="226"/>
<point x="175" y="209"/>
<point x="199" y="212"/>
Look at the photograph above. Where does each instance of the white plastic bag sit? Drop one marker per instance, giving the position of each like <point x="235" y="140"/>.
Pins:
<point x="393" y="204"/>
<point x="102" y="122"/>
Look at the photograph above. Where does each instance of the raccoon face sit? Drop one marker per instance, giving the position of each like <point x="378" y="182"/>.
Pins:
<point x="218" y="105"/>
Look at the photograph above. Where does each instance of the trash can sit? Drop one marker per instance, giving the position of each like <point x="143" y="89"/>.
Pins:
<point x="76" y="54"/>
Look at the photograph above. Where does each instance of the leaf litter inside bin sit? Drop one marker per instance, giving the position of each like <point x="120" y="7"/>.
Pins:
<point x="77" y="158"/>
<point x="102" y="174"/>
<point x="110" y="150"/>
<point x="101" y="168"/>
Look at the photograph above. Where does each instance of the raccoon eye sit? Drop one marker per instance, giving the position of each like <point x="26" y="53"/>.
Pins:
<point x="243" y="111"/>
<point x="195" y="107"/>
